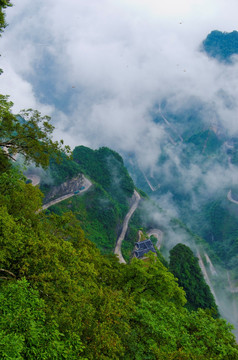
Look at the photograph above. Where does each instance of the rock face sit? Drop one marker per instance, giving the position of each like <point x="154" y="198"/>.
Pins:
<point x="66" y="188"/>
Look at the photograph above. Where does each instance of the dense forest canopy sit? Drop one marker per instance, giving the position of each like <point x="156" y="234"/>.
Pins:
<point x="184" y="265"/>
<point x="106" y="167"/>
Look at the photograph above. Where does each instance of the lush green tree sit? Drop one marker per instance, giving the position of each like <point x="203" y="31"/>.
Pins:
<point x="152" y="280"/>
<point x="29" y="135"/>
<point x="87" y="305"/>
<point x="99" y="216"/>
<point x="162" y="331"/>
<point x="106" y="167"/>
<point x="3" y="5"/>
<point x="184" y="265"/>
<point x="26" y="333"/>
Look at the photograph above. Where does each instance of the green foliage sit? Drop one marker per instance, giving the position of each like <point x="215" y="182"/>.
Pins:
<point x="63" y="169"/>
<point x="106" y="167"/>
<point x="184" y="265"/>
<point x="87" y="305"/>
<point x="221" y="45"/>
<point x="164" y="333"/>
<point x="102" y="210"/>
<point x="31" y="137"/>
<point x="3" y="5"/>
<point x="22" y="200"/>
<point x="161" y="258"/>
<point x="206" y="142"/>
<point x="26" y="333"/>
<point x="99" y="216"/>
<point x="152" y="280"/>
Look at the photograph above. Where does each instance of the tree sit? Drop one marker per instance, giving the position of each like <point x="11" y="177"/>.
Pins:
<point x="184" y="265"/>
<point x="3" y="5"/>
<point x="26" y="332"/>
<point x="28" y="134"/>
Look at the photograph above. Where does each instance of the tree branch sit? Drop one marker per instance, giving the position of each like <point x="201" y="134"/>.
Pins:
<point x="8" y="272"/>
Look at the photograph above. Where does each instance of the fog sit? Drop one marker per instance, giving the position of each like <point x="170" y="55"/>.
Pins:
<point x="98" y="68"/>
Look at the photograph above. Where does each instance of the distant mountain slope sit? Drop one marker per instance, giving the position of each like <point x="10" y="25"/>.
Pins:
<point x="106" y="167"/>
<point x="102" y="209"/>
<point x="221" y="45"/>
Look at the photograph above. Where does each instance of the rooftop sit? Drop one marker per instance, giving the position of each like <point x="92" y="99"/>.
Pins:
<point x="143" y="247"/>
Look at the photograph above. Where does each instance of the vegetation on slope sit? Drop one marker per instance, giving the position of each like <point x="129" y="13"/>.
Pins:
<point x="184" y="265"/>
<point x="31" y="138"/>
<point x="59" y="171"/>
<point x="106" y="167"/>
<point x="79" y="304"/>
<point x="99" y="215"/>
<point x="102" y="210"/>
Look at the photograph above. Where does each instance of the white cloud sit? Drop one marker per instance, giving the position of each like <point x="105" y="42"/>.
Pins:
<point x="111" y="61"/>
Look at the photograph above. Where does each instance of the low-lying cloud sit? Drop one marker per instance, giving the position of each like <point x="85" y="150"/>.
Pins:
<point x="99" y="69"/>
<point x="107" y="63"/>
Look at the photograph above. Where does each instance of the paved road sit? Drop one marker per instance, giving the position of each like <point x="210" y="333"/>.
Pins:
<point x="86" y="183"/>
<point x="229" y="197"/>
<point x="134" y="205"/>
<point x="158" y="234"/>
<point x="212" y="269"/>
<point x="34" y="178"/>
<point x="206" y="277"/>
<point x="153" y="188"/>
<point x="171" y="127"/>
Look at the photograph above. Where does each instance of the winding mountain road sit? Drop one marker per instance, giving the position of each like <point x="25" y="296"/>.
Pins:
<point x="135" y="202"/>
<point x="34" y="178"/>
<point x="153" y="188"/>
<point x="229" y="197"/>
<point x="172" y="127"/>
<point x="158" y="234"/>
<point x="209" y="262"/>
<point x="86" y="183"/>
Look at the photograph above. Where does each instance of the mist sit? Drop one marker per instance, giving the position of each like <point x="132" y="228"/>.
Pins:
<point x="100" y="69"/>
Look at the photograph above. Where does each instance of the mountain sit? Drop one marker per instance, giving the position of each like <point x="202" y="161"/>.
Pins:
<point x="194" y="180"/>
<point x="221" y="45"/>
<point x="59" y="291"/>
<point x="64" y="295"/>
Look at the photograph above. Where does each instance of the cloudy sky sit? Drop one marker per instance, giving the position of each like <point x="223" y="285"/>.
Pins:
<point x="98" y="67"/>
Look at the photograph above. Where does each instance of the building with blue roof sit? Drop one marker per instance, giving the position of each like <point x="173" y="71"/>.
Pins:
<point x="142" y="248"/>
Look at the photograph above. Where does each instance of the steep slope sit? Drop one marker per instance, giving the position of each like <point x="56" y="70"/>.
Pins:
<point x="102" y="209"/>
